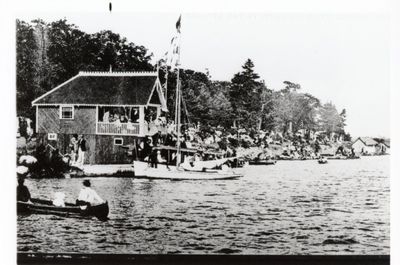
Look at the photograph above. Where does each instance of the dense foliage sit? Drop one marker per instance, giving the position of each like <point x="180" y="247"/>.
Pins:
<point x="50" y="53"/>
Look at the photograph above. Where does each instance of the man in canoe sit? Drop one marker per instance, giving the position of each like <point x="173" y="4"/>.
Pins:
<point x="88" y="196"/>
<point x="23" y="193"/>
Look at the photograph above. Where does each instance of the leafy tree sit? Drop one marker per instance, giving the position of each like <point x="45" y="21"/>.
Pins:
<point x="294" y="109"/>
<point x="112" y="50"/>
<point x="26" y="69"/>
<point x="51" y="53"/>
<point x="330" y="120"/>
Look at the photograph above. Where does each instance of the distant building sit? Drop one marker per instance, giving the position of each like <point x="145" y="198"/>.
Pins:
<point x="365" y="145"/>
<point x="111" y="109"/>
<point x="386" y="142"/>
<point x="383" y="147"/>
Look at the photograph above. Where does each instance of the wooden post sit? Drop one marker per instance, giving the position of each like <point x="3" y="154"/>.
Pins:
<point x="97" y="119"/>
<point x="158" y="112"/>
<point x="37" y="119"/>
<point x="141" y="120"/>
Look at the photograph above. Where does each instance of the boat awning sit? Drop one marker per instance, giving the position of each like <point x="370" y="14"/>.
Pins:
<point x="187" y="150"/>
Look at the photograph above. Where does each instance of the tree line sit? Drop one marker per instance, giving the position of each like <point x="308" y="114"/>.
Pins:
<point x="48" y="54"/>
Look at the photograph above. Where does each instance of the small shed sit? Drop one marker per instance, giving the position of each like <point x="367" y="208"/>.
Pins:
<point x="110" y="109"/>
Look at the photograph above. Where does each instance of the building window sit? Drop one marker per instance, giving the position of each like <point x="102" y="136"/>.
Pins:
<point x="118" y="141"/>
<point x="67" y="112"/>
<point x="52" y="136"/>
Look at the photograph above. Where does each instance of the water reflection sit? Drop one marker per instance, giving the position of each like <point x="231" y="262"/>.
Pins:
<point x="290" y="208"/>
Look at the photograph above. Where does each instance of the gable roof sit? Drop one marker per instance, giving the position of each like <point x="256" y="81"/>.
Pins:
<point x="387" y="142"/>
<point x="368" y="141"/>
<point x="104" y="88"/>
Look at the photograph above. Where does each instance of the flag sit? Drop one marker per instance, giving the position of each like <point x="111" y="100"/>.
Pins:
<point x="178" y="24"/>
<point x="163" y="60"/>
<point x="173" y="54"/>
<point x="171" y="58"/>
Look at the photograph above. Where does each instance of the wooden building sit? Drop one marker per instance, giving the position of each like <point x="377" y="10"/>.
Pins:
<point x="111" y="109"/>
<point x="365" y="145"/>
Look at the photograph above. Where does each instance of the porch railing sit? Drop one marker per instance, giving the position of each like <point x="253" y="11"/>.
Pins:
<point x="118" y="128"/>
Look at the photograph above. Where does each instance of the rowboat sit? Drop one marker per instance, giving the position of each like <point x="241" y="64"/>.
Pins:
<point x="322" y="161"/>
<point x="262" y="162"/>
<point x="340" y="157"/>
<point x="39" y="206"/>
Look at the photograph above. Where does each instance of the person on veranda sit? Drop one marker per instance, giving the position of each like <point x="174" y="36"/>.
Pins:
<point x="88" y="196"/>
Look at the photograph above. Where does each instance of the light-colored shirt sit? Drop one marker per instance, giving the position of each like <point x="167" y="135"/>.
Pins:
<point x="90" y="196"/>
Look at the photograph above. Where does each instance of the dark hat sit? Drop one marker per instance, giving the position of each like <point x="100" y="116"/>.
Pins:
<point x="86" y="183"/>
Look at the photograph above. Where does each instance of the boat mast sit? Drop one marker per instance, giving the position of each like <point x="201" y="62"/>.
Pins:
<point x="178" y="119"/>
<point x="178" y="98"/>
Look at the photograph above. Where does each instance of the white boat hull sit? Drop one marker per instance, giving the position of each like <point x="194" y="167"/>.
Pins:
<point x="142" y="170"/>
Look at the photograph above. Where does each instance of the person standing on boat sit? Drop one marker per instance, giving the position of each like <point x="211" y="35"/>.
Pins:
<point x="88" y="196"/>
<point x="23" y="193"/>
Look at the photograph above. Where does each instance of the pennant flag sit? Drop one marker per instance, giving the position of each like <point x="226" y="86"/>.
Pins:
<point x="163" y="59"/>
<point x="178" y="24"/>
<point x="171" y="58"/>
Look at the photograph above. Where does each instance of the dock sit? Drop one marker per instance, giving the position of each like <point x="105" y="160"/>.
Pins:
<point x="111" y="170"/>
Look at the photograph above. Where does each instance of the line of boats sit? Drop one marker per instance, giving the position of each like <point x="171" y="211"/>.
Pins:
<point x="199" y="170"/>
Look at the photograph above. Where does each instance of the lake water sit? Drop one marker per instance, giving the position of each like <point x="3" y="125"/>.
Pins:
<point x="294" y="207"/>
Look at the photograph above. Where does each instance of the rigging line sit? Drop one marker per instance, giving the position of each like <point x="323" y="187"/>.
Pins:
<point x="185" y="108"/>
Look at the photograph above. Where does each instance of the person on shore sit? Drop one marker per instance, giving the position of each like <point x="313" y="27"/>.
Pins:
<point x="88" y="196"/>
<point x="153" y="159"/>
<point x="73" y="144"/>
<point x="81" y="150"/>
<point x="23" y="193"/>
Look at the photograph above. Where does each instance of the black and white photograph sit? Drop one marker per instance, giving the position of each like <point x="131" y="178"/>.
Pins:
<point x="148" y="137"/>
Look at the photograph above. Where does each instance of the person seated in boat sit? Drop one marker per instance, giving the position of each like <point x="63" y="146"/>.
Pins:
<point x="59" y="199"/>
<point x="88" y="196"/>
<point x="225" y="167"/>
<point x="23" y="193"/>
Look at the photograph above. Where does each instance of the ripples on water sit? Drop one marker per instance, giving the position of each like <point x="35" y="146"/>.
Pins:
<point x="294" y="207"/>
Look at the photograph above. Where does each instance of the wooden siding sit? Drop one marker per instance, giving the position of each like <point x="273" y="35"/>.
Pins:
<point x="100" y="148"/>
<point x="84" y="121"/>
<point x="108" y="153"/>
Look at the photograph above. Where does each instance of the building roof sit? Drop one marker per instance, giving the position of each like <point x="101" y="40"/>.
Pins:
<point x="104" y="88"/>
<point x="387" y="142"/>
<point x="368" y="141"/>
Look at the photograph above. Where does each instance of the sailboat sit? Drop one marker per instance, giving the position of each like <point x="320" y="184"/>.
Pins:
<point x="198" y="170"/>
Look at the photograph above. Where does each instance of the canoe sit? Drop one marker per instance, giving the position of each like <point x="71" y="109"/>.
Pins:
<point x="262" y="162"/>
<point x="39" y="206"/>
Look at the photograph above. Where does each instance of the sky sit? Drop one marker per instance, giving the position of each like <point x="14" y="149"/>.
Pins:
<point x="343" y="58"/>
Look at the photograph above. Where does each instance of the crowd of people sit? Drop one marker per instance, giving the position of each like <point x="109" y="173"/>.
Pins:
<point x="229" y="143"/>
